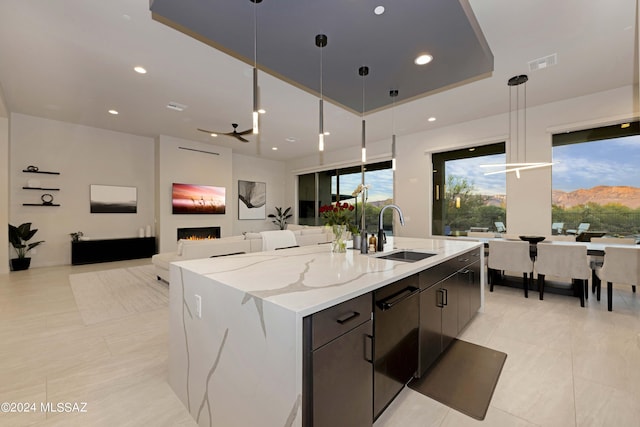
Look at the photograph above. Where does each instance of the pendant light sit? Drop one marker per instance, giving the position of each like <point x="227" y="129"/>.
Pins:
<point x="321" y="42"/>
<point x="255" y="113"/>
<point x="393" y="94"/>
<point x="520" y="112"/>
<point x="363" y="71"/>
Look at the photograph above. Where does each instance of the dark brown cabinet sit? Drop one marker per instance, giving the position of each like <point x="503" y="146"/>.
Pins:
<point x="449" y="297"/>
<point x="337" y="365"/>
<point x="358" y="355"/>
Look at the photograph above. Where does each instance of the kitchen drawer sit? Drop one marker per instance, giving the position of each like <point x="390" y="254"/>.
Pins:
<point x="468" y="258"/>
<point x="332" y="322"/>
<point x="438" y="273"/>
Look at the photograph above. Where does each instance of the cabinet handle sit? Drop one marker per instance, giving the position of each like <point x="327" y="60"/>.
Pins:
<point x="440" y="302"/>
<point x="463" y="260"/>
<point x="446" y="297"/>
<point x="348" y="318"/>
<point x="368" y="348"/>
<point x="396" y="298"/>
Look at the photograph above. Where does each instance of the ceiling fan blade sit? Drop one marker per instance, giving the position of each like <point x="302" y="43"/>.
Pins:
<point x="208" y="131"/>
<point x="244" y="132"/>
<point x="241" y="138"/>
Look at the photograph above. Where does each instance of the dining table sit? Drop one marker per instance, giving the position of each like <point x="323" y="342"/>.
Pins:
<point x="595" y="250"/>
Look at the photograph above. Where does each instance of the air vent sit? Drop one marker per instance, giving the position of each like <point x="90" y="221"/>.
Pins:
<point x="176" y="106"/>
<point x="540" y="63"/>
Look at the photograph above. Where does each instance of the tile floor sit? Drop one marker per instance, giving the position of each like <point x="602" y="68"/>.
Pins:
<point x="566" y="365"/>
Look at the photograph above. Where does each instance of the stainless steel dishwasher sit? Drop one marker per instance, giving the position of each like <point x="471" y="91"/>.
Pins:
<point x="396" y="321"/>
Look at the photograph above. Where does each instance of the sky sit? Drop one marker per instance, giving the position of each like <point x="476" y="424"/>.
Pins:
<point x="609" y="162"/>
<point x="381" y="184"/>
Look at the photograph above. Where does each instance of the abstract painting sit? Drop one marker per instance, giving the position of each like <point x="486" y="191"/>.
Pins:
<point x="252" y="200"/>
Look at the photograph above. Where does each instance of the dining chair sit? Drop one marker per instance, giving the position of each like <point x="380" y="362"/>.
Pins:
<point x="621" y="265"/>
<point x="597" y="260"/>
<point x="483" y="234"/>
<point x="560" y="238"/>
<point x="563" y="260"/>
<point x="510" y="255"/>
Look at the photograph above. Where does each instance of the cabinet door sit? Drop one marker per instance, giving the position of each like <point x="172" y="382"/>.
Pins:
<point x="343" y="380"/>
<point x="450" y="288"/>
<point x="474" y="289"/>
<point x="431" y="301"/>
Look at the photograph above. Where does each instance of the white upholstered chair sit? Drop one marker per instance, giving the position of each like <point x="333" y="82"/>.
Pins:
<point x="621" y="265"/>
<point x="481" y="234"/>
<point x="510" y="255"/>
<point x="571" y="261"/>
<point x="597" y="260"/>
<point x="560" y="238"/>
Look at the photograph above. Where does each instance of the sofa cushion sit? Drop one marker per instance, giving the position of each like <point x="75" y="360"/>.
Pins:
<point x="313" y="230"/>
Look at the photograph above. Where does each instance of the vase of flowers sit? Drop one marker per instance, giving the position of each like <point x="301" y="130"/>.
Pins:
<point x="337" y="216"/>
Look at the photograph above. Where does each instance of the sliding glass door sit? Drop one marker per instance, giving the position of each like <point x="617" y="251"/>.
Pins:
<point x="464" y="198"/>
<point x="325" y="187"/>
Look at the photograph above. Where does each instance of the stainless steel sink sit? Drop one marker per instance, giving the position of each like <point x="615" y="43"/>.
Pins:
<point x="407" y="256"/>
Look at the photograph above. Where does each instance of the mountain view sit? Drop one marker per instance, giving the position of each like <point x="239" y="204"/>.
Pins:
<point x="601" y="194"/>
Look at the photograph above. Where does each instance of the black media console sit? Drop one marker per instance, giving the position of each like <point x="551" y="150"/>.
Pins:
<point x="106" y="250"/>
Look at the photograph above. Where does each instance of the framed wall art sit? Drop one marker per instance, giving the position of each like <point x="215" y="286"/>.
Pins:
<point x="252" y="200"/>
<point x="113" y="199"/>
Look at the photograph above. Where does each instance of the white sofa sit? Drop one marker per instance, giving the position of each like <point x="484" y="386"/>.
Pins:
<point x="249" y="242"/>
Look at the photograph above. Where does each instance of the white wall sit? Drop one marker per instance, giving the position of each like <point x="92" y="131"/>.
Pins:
<point x="175" y="165"/>
<point x="83" y="156"/>
<point x="4" y="189"/>
<point x="528" y="199"/>
<point x="271" y="172"/>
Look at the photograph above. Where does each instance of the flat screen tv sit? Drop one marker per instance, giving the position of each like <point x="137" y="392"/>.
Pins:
<point x="197" y="199"/>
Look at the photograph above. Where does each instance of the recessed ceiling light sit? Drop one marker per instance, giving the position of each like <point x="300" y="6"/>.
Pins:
<point x="215" y="135"/>
<point x="140" y="70"/>
<point x="274" y="148"/>
<point x="431" y="119"/>
<point x="262" y="111"/>
<point x="290" y="139"/>
<point x="114" y="112"/>
<point x="326" y="133"/>
<point x="379" y="10"/>
<point x="423" y="59"/>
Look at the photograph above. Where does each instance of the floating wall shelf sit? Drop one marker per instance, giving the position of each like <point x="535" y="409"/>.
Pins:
<point x="40" y="188"/>
<point x="40" y="204"/>
<point x="49" y="173"/>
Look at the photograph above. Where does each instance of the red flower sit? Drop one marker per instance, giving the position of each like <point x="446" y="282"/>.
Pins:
<point x="337" y="214"/>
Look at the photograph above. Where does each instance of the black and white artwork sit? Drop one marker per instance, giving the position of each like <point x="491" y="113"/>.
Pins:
<point x="252" y="200"/>
<point x="113" y="199"/>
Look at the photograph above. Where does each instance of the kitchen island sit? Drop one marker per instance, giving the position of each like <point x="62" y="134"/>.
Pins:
<point x="236" y="323"/>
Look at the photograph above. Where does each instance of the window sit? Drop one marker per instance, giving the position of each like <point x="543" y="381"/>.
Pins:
<point x="326" y="187"/>
<point x="596" y="179"/>
<point x="463" y="197"/>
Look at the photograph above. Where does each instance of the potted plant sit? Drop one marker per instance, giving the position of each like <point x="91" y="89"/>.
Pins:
<point x="18" y="237"/>
<point x="281" y="217"/>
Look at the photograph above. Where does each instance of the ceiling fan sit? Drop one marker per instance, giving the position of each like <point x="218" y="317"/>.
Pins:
<point x="235" y="133"/>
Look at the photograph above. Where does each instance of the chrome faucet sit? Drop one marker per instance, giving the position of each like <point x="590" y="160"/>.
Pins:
<point x="382" y="239"/>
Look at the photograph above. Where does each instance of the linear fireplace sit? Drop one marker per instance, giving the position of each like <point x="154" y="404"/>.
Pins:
<point x="198" y="233"/>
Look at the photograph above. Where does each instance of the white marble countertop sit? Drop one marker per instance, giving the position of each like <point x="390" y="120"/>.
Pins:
<point x="308" y="279"/>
